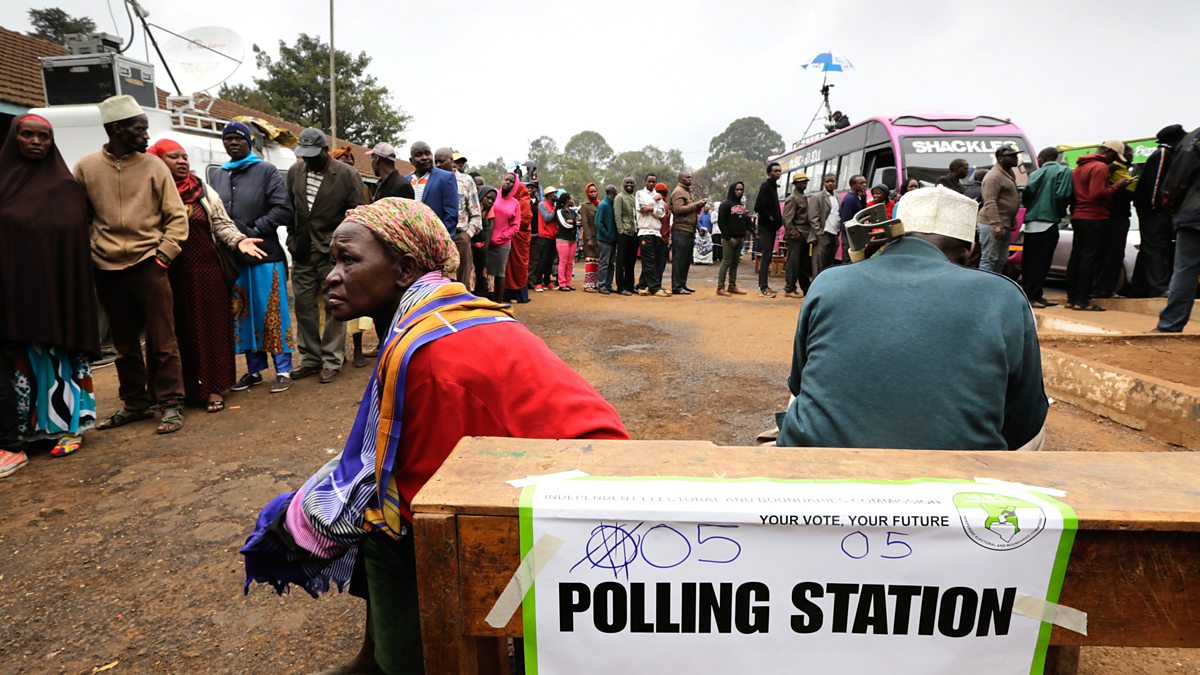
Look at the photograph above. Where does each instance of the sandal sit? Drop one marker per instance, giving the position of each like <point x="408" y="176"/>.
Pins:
<point x="66" y="445"/>
<point x="171" y="420"/>
<point x="214" y="406"/>
<point x="123" y="417"/>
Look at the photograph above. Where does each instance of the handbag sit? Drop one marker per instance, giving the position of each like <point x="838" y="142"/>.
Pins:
<point x="226" y="259"/>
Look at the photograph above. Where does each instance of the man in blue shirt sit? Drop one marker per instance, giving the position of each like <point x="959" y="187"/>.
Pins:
<point x="909" y="349"/>
<point x="852" y="202"/>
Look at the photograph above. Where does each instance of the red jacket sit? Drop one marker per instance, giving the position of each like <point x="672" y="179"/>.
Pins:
<point x="511" y="385"/>
<point x="1093" y="189"/>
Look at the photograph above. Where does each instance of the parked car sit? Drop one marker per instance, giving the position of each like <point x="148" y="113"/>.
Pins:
<point x="1066" y="237"/>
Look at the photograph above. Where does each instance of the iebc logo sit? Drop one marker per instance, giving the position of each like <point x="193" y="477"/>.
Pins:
<point x="999" y="522"/>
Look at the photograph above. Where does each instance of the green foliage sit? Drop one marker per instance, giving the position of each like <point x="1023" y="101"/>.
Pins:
<point x="544" y="151"/>
<point x="492" y="172"/>
<point x="749" y="137"/>
<point x="53" y="24"/>
<point x="583" y="161"/>
<point x="667" y="165"/>
<point x="296" y="86"/>
<point x="253" y="98"/>
<point x="713" y="179"/>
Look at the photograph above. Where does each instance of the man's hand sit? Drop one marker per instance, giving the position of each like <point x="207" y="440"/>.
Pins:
<point x="1123" y="183"/>
<point x="999" y="232"/>
<point x="249" y="246"/>
<point x="646" y="209"/>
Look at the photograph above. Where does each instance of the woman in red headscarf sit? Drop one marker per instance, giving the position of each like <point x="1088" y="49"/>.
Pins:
<point x="516" y="279"/>
<point x="200" y="283"/>
<point x="48" y="329"/>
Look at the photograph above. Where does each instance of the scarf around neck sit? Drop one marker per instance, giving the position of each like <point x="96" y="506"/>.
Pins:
<point x="246" y="161"/>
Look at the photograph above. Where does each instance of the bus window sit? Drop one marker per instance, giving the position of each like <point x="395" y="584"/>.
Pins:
<point x="851" y="165"/>
<point x="877" y="162"/>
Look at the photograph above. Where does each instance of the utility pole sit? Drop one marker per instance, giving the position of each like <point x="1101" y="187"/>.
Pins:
<point x="332" y="85"/>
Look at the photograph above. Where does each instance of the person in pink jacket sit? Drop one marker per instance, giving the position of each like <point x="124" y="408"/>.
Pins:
<point x="506" y="221"/>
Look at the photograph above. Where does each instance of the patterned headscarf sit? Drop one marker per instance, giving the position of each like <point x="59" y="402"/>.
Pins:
<point x="412" y="228"/>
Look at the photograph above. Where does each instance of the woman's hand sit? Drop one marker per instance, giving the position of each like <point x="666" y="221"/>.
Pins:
<point x="249" y="246"/>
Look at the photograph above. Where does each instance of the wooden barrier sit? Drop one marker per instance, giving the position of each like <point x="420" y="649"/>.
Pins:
<point x="1135" y="566"/>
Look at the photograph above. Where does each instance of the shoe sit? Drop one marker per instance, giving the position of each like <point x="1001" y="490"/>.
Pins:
<point x="246" y="381"/>
<point x="766" y="292"/>
<point x="677" y="291"/>
<point x="11" y="461"/>
<point x="643" y="291"/>
<point x="538" y="289"/>
<point x="553" y="286"/>
<point x="662" y="293"/>
<point x="360" y="361"/>
<point x="281" y="383"/>
<point x="604" y="291"/>
<point x="329" y="375"/>
<point x="1163" y="330"/>
<point x="1037" y="304"/>
<point x="792" y="294"/>
<point x="688" y="291"/>
<point x="625" y="293"/>
<point x="722" y="292"/>
<point x="1047" y="303"/>
<point x="564" y="289"/>
<point x="734" y="291"/>
<point x="589" y="289"/>
<point x="304" y="371"/>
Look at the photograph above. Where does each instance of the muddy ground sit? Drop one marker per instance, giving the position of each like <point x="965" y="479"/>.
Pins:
<point x="127" y="552"/>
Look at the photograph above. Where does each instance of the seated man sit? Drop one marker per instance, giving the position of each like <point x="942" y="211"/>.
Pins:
<point x="389" y="258"/>
<point x="908" y="349"/>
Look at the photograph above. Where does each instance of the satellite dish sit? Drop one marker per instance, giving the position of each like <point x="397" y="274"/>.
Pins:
<point x="203" y="58"/>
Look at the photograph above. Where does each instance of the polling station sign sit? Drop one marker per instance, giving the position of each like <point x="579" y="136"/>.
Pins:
<point x="768" y="576"/>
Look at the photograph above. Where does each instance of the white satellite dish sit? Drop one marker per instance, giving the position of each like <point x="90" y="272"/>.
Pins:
<point x="204" y="57"/>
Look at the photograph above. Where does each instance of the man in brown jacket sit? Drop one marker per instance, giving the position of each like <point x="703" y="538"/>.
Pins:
<point x="138" y="225"/>
<point x="823" y="224"/>
<point x="683" y="232"/>
<point x="998" y="216"/>
<point x="322" y="191"/>
<point x="798" y="233"/>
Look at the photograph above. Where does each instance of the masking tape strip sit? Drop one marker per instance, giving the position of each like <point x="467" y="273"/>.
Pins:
<point x="546" y="477"/>
<point x="1053" y="492"/>
<point x="522" y="580"/>
<point x="1059" y="615"/>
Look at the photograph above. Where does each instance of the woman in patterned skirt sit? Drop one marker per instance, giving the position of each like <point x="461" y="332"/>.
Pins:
<point x="48" y="326"/>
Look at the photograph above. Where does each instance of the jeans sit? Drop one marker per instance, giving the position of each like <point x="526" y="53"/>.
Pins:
<point x="606" y="265"/>
<point x="649" y="279"/>
<point x="798" y="270"/>
<point x="731" y="255"/>
<point x="1036" y="259"/>
<point x="1152" y="272"/>
<point x="627" y="248"/>
<point x="1085" y="258"/>
<point x="1112" y="256"/>
<point x="660" y="260"/>
<point x="766" y="246"/>
<point x="257" y="362"/>
<point x="683" y="247"/>
<point x="993" y="251"/>
<point x="566" y="261"/>
<point x="1182" y="293"/>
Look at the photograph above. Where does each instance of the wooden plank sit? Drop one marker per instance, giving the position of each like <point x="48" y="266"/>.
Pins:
<point x="1137" y="587"/>
<point x="447" y="649"/>
<point x="1110" y="490"/>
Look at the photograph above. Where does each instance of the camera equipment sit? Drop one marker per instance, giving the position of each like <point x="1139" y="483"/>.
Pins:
<point x="870" y="230"/>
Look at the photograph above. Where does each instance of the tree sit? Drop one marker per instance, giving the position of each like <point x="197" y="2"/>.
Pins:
<point x="749" y="137"/>
<point x="492" y="172"/>
<point x="53" y="24"/>
<point x="544" y="151"/>
<point x="666" y="164"/>
<point x="583" y="160"/>
<point x="713" y="179"/>
<point x="295" y="85"/>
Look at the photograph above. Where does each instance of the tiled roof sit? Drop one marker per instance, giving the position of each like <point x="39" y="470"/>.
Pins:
<point x="20" y="74"/>
<point x="21" y="83"/>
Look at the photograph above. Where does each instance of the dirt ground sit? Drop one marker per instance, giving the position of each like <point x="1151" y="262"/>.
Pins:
<point x="1174" y="359"/>
<point x="127" y="552"/>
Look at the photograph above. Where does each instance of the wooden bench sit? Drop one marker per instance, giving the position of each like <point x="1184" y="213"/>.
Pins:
<point x="1135" y="566"/>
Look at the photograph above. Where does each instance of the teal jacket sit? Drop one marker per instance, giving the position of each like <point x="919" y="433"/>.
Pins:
<point x="1048" y="194"/>
<point x="874" y="367"/>
<point x="606" y="222"/>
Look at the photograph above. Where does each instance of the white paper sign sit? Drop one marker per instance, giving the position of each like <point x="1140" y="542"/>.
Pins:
<point x="765" y="576"/>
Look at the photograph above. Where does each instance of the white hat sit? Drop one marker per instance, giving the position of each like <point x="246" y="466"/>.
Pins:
<point x="117" y="108"/>
<point x="940" y="210"/>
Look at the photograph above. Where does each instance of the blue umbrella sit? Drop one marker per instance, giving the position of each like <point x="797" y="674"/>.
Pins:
<point x="828" y="62"/>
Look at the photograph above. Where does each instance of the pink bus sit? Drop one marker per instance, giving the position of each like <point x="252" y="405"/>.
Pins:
<point x="889" y="150"/>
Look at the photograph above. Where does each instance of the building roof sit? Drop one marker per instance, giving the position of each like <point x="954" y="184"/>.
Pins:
<point x="20" y="74"/>
<point x="21" y="84"/>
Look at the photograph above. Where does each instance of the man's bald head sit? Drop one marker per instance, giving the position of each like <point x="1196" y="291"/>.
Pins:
<point x="444" y="159"/>
<point x="421" y="157"/>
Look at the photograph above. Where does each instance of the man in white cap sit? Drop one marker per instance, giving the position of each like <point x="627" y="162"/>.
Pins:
<point x="909" y="349"/>
<point x="391" y="182"/>
<point x="138" y="225"/>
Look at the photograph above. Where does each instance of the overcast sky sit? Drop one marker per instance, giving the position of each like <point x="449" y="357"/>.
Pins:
<point x="486" y="77"/>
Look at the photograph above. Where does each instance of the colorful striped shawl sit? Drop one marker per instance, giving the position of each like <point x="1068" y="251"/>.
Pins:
<point x="309" y="537"/>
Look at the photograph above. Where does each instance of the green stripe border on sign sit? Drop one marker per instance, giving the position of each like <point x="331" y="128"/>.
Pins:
<point x="1061" y="557"/>
<point x="528" y="604"/>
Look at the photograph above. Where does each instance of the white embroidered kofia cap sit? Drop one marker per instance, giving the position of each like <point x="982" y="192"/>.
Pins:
<point x="939" y="210"/>
<point x="117" y="108"/>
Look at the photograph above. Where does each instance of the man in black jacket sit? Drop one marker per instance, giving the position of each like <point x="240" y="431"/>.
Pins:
<point x="391" y="183"/>
<point x="1152" y="271"/>
<point x="770" y="219"/>
<point x="257" y="201"/>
